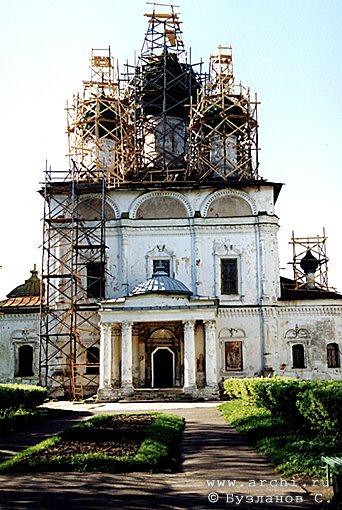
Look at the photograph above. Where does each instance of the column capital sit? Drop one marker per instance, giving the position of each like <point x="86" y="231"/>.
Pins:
<point x="106" y="326"/>
<point x="189" y="325"/>
<point x="126" y="326"/>
<point x="210" y="325"/>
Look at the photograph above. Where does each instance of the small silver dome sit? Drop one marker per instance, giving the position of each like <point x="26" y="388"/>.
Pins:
<point x="161" y="283"/>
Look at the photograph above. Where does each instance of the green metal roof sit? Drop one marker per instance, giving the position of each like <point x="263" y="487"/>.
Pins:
<point x="31" y="287"/>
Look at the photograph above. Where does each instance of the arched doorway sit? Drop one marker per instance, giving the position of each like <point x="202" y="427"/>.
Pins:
<point x="163" y="368"/>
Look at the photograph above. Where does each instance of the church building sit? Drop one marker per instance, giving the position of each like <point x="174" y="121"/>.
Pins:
<point x="160" y="273"/>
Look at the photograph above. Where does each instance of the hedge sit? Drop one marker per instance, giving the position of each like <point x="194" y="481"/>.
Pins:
<point x="244" y="389"/>
<point x="317" y="403"/>
<point x="321" y="406"/>
<point x="14" y="397"/>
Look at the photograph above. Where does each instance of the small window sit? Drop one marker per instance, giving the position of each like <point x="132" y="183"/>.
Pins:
<point x="161" y="263"/>
<point x="229" y="276"/>
<point x="298" y="358"/>
<point x="93" y="360"/>
<point x="333" y="356"/>
<point x="25" y="361"/>
<point x="95" y="280"/>
<point x="233" y="356"/>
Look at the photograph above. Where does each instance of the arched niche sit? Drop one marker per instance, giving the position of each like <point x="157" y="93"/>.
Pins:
<point x="160" y="205"/>
<point x="90" y="209"/>
<point x="227" y="205"/>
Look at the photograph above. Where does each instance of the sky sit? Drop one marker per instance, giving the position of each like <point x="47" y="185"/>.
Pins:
<point x="286" y="51"/>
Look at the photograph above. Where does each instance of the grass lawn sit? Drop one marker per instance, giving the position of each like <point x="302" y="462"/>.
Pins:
<point x="107" y="443"/>
<point x="294" y="451"/>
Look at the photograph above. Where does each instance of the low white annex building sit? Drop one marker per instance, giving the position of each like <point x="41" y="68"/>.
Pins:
<point x="160" y="258"/>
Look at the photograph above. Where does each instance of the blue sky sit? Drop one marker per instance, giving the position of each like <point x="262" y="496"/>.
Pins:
<point x="288" y="51"/>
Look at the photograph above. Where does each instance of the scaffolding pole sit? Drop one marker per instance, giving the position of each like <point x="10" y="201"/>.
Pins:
<point x="223" y="126"/>
<point x="74" y="230"/>
<point x="160" y="89"/>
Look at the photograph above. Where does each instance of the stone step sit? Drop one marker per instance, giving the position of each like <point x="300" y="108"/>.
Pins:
<point x="158" y="394"/>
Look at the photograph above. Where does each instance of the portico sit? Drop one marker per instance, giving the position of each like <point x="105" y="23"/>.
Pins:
<point x="158" y="341"/>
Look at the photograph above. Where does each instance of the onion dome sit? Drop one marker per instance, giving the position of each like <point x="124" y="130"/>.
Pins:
<point x="167" y="86"/>
<point x="161" y="283"/>
<point x="31" y="287"/>
<point x="309" y="263"/>
<point x="235" y="116"/>
<point x="25" y="298"/>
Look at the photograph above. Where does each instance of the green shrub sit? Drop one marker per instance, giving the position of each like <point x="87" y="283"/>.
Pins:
<point x="280" y="396"/>
<point x="244" y="389"/>
<point x="276" y="394"/>
<point x="14" y="397"/>
<point x="321" y="406"/>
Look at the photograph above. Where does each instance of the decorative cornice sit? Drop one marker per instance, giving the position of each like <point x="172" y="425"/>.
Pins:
<point x="275" y="311"/>
<point x="20" y="317"/>
<point x="310" y="310"/>
<point x="238" y="312"/>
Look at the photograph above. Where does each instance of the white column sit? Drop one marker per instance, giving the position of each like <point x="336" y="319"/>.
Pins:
<point x="210" y="353"/>
<point x="189" y="354"/>
<point x="105" y="356"/>
<point x="116" y="356"/>
<point x="135" y="347"/>
<point x="126" y="355"/>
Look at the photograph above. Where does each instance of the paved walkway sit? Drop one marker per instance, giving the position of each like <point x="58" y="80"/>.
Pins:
<point x="220" y="471"/>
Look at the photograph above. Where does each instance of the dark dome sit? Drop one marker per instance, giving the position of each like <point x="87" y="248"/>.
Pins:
<point x="161" y="283"/>
<point x="31" y="287"/>
<point x="309" y="263"/>
<point x="167" y="86"/>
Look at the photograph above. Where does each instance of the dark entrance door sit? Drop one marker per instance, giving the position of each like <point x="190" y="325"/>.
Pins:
<point x="163" y="368"/>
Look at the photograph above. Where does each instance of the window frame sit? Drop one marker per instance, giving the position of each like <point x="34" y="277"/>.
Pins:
<point x="297" y="345"/>
<point x="97" y="281"/>
<point x="336" y="352"/>
<point x="92" y="368"/>
<point x="237" y="278"/>
<point x="18" y="371"/>
<point x="161" y="260"/>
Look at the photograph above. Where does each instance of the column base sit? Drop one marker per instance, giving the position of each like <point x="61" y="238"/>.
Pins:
<point x="211" y="392"/>
<point x="108" y="395"/>
<point x="127" y="390"/>
<point x="192" y="392"/>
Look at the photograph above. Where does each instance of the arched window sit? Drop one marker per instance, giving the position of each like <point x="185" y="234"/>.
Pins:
<point x="298" y="357"/>
<point x="93" y="360"/>
<point x="333" y="356"/>
<point x="25" y="361"/>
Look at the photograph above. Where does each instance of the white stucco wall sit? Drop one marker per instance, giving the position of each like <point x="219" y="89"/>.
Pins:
<point x="17" y="330"/>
